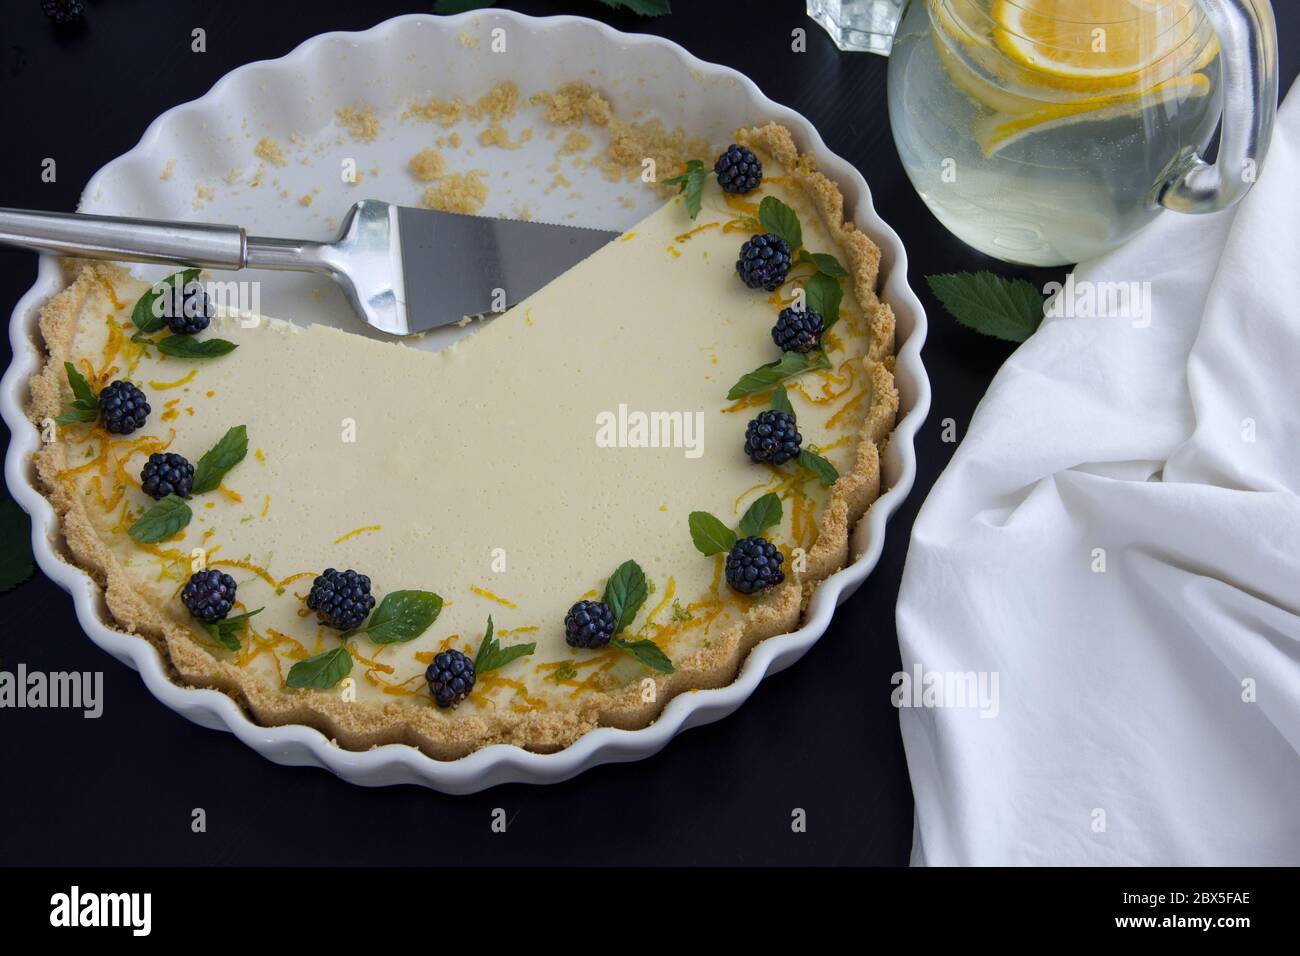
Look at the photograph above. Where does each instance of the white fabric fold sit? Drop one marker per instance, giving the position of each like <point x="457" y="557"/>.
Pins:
<point x="1117" y="539"/>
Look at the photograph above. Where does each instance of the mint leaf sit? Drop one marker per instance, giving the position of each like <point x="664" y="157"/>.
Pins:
<point x="491" y="655"/>
<point x="145" y="316"/>
<point x="781" y="400"/>
<point x="778" y="218"/>
<point x="161" y="521"/>
<point x="709" y="534"/>
<point x="824" y="471"/>
<point x="186" y="346"/>
<point x="1007" y="309"/>
<point x="403" y="616"/>
<point x="765" y="376"/>
<point x="85" y="406"/>
<point x="625" y="593"/>
<point x="822" y="295"/>
<point x="823" y="262"/>
<point x="646" y="8"/>
<point x="219" y="459"/>
<point x="320" y="672"/>
<point x="16" y="564"/>
<point x="691" y="182"/>
<point x="227" y="632"/>
<point x="761" y="515"/>
<point x="647" y="652"/>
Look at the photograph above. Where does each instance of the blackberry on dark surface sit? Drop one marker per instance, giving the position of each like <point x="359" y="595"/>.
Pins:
<point x="64" y="12"/>
<point x="122" y="407"/>
<point x="166" y="473"/>
<point x="764" y="261"/>
<point x="195" y="311"/>
<point x="738" y="170"/>
<point x="797" y="330"/>
<point x="209" y="595"/>
<point x="753" y="565"/>
<point x="589" y="624"/>
<point x="341" y="599"/>
<point x="451" y="677"/>
<point x="772" y="438"/>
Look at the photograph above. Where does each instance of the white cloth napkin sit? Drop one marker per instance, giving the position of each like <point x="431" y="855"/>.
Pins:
<point x="1147" y="713"/>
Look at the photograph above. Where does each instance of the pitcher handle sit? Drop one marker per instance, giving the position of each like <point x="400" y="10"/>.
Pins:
<point x="1248" y="67"/>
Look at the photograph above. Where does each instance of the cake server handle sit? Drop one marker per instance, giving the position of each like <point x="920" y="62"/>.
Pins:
<point x="125" y="240"/>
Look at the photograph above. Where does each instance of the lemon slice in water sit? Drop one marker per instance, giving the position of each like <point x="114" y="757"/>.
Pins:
<point x="1095" y="45"/>
<point x="1001" y="130"/>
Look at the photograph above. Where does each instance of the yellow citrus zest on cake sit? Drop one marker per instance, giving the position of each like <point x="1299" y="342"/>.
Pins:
<point x="484" y="593"/>
<point x="162" y="386"/>
<point x="366" y="529"/>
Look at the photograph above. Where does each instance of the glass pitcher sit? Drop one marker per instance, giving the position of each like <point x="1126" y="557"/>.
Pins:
<point x="1045" y="132"/>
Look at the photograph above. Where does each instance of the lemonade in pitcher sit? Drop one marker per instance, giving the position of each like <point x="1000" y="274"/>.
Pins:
<point x="1041" y="131"/>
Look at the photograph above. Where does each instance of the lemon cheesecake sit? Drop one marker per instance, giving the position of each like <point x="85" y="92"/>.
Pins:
<point x="599" y="499"/>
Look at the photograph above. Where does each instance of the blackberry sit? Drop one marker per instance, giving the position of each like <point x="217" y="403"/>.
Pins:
<point x="64" y="12"/>
<point x="209" y="595"/>
<point x="167" y="474"/>
<point x="738" y="170"/>
<point x="754" y="564"/>
<point x="451" y="677"/>
<point x="772" y="438"/>
<point x="764" y="261"/>
<point x="589" y="624"/>
<point x="797" y="330"/>
<point x="122" y="407"/>
<point x="341" y="599"/>
<point x="195" y="311"/>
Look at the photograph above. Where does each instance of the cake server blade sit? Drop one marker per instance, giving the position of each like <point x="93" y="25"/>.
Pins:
<point x="404" y="270"/>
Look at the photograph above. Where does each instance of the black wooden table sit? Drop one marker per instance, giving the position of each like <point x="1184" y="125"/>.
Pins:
<point x="821" y="736"/>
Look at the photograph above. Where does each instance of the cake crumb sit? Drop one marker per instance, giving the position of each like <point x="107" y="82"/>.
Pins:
<point x="445" y="112"/>
<point x="168" y="168"/>
<point x="427" y="164"/>
<point x="575" y="142"/>
<point x="362" y="125"/>
<point x="468" y="40"/>
<point x="497" y="135"/>
<point x="500" y="102"/>
<point x="457" y="192"/>
<point x="572" y="103"/>
<point x="202" y="194"/>
<point x="269" y="150"/>
<point x="305" y="199"/>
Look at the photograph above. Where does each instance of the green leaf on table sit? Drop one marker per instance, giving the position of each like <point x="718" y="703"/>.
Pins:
<point x="491" y="655"/>
<point x="780" y="220"/>
<point x="709" y="534"/>
<point x="146" y="315"/>
<point x="403" y="616"/>
<point x="320" y="672"/>
<point x="788" y="365"/>
<point x="1007" y="309"/>
<point x="646" y="8"/>
<point x="227" y="632"/>
<point x="625" y="592"/>
<point x="160" y="522"/>
<point x="647" y="652"/>
<point x="761" y="515"/>
<point x="691" y="183"/>
<point x="16" y="564"/>
<point x="219" y="459"/>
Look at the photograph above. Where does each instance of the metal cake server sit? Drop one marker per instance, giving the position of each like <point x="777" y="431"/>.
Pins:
<point x="404" y="270"/>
